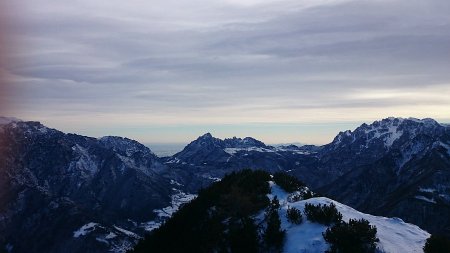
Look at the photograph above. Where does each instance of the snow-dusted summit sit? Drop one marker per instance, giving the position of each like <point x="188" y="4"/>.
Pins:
<point x="387" y="132"/>
<point x="384" y="167"/>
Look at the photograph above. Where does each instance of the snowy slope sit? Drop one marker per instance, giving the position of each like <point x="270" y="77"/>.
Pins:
<point x="394" y="234"/>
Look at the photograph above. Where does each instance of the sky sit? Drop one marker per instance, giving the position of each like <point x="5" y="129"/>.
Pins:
<point x="278" y="70"/>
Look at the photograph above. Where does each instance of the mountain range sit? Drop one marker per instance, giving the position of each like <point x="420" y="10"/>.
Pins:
<point x="70" y="193"/>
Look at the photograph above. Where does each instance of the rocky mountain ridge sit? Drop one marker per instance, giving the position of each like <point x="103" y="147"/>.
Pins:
<point x="55" y="183"/>
<point x="394" y="167"/>
<point x="387" y="168"/>
<point x="105" y="193"/>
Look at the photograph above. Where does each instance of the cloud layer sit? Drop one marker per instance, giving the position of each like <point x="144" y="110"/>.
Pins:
<point x="145" y="63"/>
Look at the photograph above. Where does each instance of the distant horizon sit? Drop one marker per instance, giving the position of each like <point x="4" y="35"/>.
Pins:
<point x="188" y="134"/>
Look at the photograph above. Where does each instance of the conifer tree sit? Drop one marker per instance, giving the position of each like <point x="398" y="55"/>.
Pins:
<point x="274" y="235"/>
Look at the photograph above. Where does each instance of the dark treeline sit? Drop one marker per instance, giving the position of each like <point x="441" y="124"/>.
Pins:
<point x="218" y="220"/>
<point x="287" y="182"/>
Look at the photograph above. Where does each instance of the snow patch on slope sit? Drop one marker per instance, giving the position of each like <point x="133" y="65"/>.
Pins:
<point x="446" y="146"/>
<point x="126" y="232"/>
<point x="425" y="199"/>
<point x="85" y="229"/>
<point x="84" y="162"/>
<point x="233" y="151"/>
<point x="394" y="234"/>
<point x="178" y="199"/>
<point x="393" y="135"/>
<point x="429" y="190"/>
<point x="173" y="160"/>
<point x="387" y="131"/>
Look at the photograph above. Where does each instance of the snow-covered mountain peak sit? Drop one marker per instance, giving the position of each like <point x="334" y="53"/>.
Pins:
<point x="208" y="142"/>
<point x="205" y="140"/>
<point x="387" y="131"/>
<point x="206" y="149"/>
<point x="247" y="142"/>
<point x="206" y="136"/>
<point x="392" y="121"/>
<point x="30" y="128"/>
<point x="202" y="146"/>
<point x="124" y="145"/>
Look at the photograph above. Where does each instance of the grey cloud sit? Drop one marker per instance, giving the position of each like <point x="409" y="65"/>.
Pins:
<point x="220" y="55"/>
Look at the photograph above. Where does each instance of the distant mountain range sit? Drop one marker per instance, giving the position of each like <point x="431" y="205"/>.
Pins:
<point x="70" y="193"/>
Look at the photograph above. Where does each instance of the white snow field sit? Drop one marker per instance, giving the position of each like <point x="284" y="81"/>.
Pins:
<point x="394" y="234"/>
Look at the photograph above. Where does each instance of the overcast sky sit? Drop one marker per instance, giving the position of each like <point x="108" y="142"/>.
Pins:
<point x="277" y="70"/>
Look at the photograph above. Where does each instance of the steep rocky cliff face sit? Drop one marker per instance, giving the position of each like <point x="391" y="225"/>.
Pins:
<point x="394" y="167"/>
<point x="54" y="183"/>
